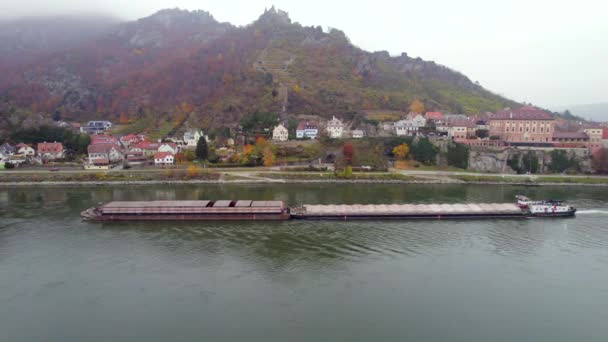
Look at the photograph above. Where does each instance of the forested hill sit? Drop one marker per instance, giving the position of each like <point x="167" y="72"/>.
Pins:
<point x="178" y="66"/>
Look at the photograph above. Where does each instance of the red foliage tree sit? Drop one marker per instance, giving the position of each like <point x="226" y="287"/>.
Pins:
<point x="349" y="153"/>
<point x="600" y="161"/>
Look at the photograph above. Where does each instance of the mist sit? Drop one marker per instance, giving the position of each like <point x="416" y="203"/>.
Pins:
<point x="549" y="53"/>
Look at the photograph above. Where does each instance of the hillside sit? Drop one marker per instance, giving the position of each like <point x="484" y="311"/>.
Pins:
<point x="178" y="67"/>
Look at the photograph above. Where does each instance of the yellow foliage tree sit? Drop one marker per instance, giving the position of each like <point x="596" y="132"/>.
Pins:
<point x="268" y="156"/>
<point x="417" y="106"/>
<point x="401" y="151"/>
<point x="192" y="171"/>
<point x="296" y="88"/>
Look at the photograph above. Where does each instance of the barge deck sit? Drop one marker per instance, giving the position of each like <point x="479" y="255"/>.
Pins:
<point x="407" y="211"/>
<point x="188" y="210"/>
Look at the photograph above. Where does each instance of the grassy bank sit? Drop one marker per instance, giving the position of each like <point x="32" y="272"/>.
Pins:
<point x="531" y="180"/>
<point x="332" y="176"/>
<point x="165" y="175"/>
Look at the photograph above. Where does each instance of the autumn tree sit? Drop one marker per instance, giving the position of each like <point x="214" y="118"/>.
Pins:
<point x="600" y="161"/>
<point x="269" y="157"/>
<point x="348" y="151"/>
<point x="417" y="106"/>
<point x="124" y="119"/>
<point x="401" y="151"/>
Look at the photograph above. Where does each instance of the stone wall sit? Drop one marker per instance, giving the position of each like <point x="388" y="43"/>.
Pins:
<point x="495" y="160"/>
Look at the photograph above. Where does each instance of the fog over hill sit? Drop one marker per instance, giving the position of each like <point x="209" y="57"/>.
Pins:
<point x="178" y="65"/>
<point x="595" y="111"/>
<point x="23" y="41"/>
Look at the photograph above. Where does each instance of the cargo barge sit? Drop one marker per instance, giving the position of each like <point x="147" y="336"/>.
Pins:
<point x="246" y="210"/>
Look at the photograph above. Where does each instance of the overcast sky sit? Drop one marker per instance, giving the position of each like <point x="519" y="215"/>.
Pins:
<point x="552" y="53"/>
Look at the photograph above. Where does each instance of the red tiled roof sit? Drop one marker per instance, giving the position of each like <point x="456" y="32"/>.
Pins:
<point x="103" y="138"/>
<point x="172" y="145"/>
<point x="101" y="148"/>
<point x="162" y="155"/>
<point x="50" y="147"/>
<point x="307" y="125"/>
<point x="21" y="145"/>
<point x="98" y="161"/>
<point x="523" y="113"/>
<point x="434" y="115"/>
<point x="144" y="145"/>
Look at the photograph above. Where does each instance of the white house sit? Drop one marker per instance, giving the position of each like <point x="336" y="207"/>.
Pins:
<point x="307" y="130"/>
<point x="164" y="158"/>
<point x="335" y="128"/>
<point x="418" y="120"/>
<point x="93" y="127"/>
<point x="26" y="150"/>
<point x="404" y="127"/>
<point x="50" y="151"/>
<point x="410" y="125"/>
<point x="357" y="134"/>
<point x="280" y="133"/>
<point x="110" y="152"/>
<point x="191" y="138"/>
<point x="168" y="147"/>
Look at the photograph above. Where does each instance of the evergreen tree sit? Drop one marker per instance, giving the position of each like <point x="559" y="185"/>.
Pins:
<point x="202" y="151"/>
<point x="458" y="156"/>
<point x="424" y="152"/>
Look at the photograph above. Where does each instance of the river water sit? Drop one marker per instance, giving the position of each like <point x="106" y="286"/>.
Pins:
<point x="62" y="279"/>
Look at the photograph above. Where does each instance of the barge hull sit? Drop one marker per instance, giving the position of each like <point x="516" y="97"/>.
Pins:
<point x="209" y="217"/>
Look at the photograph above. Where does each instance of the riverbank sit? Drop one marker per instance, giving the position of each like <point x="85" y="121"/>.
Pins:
<point x="265" y="176"/>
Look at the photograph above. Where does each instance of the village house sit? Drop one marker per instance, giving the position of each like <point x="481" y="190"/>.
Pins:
<point x="570" y="139"/>
<point x="104" y="139"/>
<point x="335" y="128"/>
<point x="280" y="133"/>
<point x="307" y="130"/>
<point x="461" y="129"/>
<point x="7" y="149"/>
<point x="96" y="127"/>
<point x="110" y="152"/>
<point x="25" y="150"/>
<point x="97" y="164"/>
<point x="405" y="127"/>
<point x="50" y="151"/>
<point x="168" y="147"/>
<point x="417" y="119"/>
<point x="595" y="134"/>
<point x="164" y="158"/>
<point x="357" y="133"/>
<point x="436" y="117"/>
<point x="410" y="125"/>
<point x="146" y="148"/>
<point x="132" y="139"/>
<point x="191" y="138"/>
<point x="526" y="125"/>
<point x="605" y="137"/>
